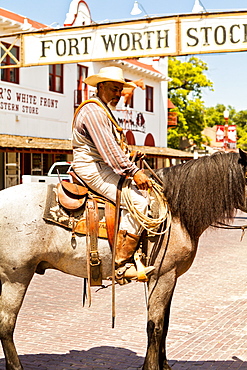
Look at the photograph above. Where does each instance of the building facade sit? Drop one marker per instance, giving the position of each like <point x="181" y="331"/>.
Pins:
<point x="37" y="103"/>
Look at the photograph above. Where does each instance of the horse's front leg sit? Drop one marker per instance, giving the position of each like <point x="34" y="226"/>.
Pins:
<point x="162" y="354"/>
<point x="160" y="295"/>
<point x="11" y="356"/>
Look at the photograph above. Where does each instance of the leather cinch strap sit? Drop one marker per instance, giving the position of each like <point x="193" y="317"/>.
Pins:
<point x="94" y="264"/>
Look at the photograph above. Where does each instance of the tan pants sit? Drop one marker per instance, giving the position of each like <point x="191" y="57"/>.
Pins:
<point x="102" y="179"/>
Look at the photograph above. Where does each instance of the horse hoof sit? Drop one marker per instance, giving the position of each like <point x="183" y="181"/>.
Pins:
<point x="166" y="366"/>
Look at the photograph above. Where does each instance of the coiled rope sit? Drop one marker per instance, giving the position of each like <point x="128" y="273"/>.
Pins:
<point x="148" y="223"/>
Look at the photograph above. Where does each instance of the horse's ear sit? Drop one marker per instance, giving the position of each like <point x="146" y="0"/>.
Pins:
<point x="243" y="155"/>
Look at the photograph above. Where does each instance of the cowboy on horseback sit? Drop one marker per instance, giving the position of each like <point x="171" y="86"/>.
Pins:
<point x="100" y="159"/>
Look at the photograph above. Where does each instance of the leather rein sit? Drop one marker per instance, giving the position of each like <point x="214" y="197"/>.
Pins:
<point x="221" y="225"/>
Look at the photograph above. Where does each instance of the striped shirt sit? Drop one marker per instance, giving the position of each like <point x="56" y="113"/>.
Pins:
<point x="93" y="124"/>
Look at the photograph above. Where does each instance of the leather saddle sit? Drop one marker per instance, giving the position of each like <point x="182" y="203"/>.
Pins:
<point x="73" y="197"/>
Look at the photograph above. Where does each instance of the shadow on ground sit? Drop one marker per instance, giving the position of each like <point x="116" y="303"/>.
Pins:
<point x="112" y="358"/>
<point x="104" y="357"/>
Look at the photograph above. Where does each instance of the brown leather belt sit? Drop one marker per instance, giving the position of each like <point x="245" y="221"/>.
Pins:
<point x="94" y="264"/>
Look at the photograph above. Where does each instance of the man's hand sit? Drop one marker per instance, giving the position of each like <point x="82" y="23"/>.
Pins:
<point x="142" y="181"/>
<point x="136" y="155"/>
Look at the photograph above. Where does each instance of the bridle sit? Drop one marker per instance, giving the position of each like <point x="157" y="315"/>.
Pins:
<point x="221" y="225"/>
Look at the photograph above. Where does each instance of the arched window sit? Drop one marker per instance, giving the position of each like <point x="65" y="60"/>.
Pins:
<point x="149" y="141"/>
<point x="130" y="138"/>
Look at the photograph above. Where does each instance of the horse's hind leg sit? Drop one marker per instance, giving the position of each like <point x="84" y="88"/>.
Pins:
<point x="161" y="293"/>
<point x="12" y="294"/>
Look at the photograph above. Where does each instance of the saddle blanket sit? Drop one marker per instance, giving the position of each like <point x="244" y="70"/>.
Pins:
<point x="56" y="214"/>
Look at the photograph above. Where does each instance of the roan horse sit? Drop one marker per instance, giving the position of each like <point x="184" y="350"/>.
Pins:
<point x="200" y="193"/>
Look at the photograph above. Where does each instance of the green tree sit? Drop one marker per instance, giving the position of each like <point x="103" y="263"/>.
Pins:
<point x="215" y="115"/>
<point x="240" y="120"/>
<point x="185" y="91"/>
<point x="242" y="137"/>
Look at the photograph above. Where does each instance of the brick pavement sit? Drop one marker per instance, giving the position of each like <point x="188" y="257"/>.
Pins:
<point x="208" y="328"/>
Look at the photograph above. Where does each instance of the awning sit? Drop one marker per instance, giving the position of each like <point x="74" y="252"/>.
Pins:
<point x="170" y="104"/>
<point x="28" y="144"/>
<point x="163" y="152"/>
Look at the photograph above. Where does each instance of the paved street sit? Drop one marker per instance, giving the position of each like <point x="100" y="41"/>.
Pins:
<point x="208" y="327"/>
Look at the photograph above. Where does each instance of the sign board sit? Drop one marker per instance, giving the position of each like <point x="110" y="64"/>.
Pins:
<point x="18" y="100"/>
<point x="108" y="42"/>
<point x="149" y="37"/>
<point x="212" y="34"/>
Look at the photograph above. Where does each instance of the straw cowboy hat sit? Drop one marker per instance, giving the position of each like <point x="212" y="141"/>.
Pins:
<point x="108" y="74"/>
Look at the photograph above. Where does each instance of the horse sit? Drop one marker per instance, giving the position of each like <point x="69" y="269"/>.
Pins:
<point x="200" y="193"/>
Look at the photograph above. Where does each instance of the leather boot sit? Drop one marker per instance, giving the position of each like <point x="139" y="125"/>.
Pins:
<point x="125" y="249"/>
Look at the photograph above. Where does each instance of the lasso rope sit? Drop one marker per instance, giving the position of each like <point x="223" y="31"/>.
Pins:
<point x="148" y="223"/>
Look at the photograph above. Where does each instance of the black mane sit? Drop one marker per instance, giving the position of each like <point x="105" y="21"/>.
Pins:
<point x="206" y="190"/>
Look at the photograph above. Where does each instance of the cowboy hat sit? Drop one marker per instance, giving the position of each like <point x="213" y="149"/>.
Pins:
<point x="108" y="74"/>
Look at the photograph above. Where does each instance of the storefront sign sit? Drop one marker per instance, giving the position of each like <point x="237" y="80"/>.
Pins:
<point x="20" y="101"/>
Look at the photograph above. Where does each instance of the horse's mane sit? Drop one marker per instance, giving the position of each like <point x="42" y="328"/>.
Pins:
<point x="204" y="191"/>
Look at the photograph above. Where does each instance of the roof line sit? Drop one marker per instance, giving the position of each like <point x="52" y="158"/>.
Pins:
<point x="19" y="18"/>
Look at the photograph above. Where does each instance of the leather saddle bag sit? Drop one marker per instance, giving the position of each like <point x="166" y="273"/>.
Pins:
<point x="71" y="196"/>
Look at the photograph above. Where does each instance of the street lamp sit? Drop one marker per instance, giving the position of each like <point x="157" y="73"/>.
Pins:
<point x="198" y="7"/>
<point x="138" y="9"/>
<point x="226" y="117"/>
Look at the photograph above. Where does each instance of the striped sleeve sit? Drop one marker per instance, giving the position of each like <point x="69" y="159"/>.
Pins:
<point x="92" y="121"/>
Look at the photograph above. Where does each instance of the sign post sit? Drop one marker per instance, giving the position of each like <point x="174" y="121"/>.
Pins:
<point x="226" y="117"/>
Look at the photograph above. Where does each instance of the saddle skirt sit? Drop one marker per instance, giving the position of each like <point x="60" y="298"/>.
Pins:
<point x="66" y="206"/>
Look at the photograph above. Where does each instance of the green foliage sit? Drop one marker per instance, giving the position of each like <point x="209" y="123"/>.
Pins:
<point x="185" y="91"/>
<point x="215" y="115"/>
<point x="242" y="137"/>
<point x="187" y="77"/>
<point x="240" y="119"/>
